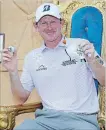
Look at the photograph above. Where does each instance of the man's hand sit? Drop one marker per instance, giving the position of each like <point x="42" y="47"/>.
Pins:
<point x="96" y="66"/>
<point x="9" y="60"/>
<point x="89" y="51"/>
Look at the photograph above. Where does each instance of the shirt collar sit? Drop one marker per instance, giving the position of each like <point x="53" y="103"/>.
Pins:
<point x="61" y="44"/>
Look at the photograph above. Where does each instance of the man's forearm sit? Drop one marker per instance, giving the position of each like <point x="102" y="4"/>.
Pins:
<point x="16" y="87"/>
<point x="99" y="71"/>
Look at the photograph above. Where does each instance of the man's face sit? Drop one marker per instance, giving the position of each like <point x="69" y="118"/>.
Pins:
<point x="49" y="28"/>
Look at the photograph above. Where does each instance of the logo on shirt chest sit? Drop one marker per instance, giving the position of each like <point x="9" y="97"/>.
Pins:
<point x="69" y="62"/>
<point x="42" y="67"/>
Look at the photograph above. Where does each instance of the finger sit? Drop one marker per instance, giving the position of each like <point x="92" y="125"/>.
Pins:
<point x="87" y="47"/>
<point x="5" y="50"/>
<point x="89" y="54"/>
<point x="85" y="42"/>
<point x="90" y="51"/>
<point x="5" y="59"/>
<point x="6" y="55"/>
<point x="15" y="52"/>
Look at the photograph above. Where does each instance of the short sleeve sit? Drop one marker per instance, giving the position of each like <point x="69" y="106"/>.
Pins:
<point x="26" y="78"/>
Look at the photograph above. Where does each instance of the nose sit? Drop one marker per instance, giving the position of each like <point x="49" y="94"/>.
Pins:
<point x="49" y="26"/>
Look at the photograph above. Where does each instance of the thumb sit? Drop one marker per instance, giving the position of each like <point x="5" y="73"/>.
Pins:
<point x="15" y="52"/>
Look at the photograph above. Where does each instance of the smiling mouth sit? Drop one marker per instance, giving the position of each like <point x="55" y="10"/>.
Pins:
<point x="50" y="33"/>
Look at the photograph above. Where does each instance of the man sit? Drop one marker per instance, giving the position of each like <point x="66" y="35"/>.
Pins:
<point x="65" y="85"/>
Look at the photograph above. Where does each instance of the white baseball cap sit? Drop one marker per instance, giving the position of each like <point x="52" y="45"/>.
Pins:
<point x="47" y="9"/>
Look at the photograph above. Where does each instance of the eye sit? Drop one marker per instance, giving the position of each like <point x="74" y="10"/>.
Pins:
<point x="53" y="22"/>
<point x="43" y="23"/>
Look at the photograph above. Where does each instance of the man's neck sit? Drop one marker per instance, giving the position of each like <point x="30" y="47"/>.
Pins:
<point x="53" y="44"/>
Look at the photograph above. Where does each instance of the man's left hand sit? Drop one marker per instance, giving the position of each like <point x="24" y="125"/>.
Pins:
<point x="89" y="51"/>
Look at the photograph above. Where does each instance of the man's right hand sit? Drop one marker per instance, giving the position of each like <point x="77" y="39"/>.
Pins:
<point x="9" y="60"/>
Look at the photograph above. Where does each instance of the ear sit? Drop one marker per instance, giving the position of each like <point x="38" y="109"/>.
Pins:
<point x="62" y="22"/>
<point x="36" y="26"/>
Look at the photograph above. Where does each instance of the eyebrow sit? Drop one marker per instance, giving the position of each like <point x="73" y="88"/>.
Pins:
<point x="57" y="18"/>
